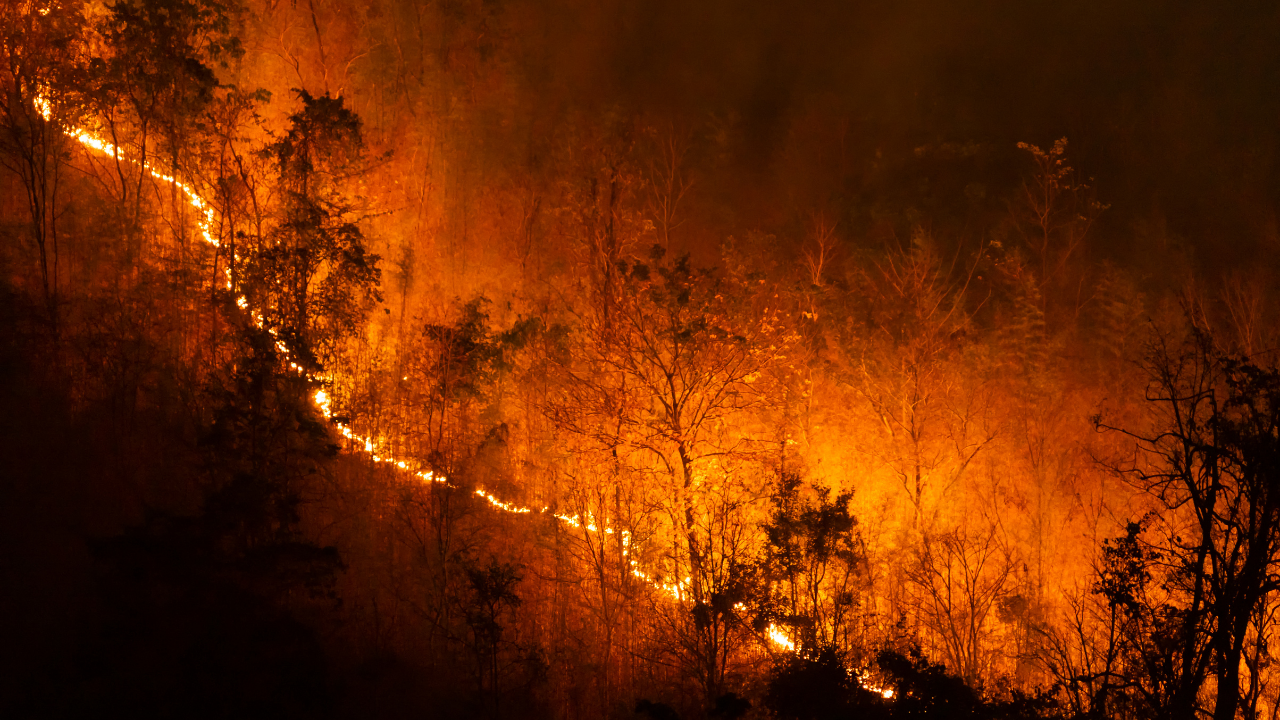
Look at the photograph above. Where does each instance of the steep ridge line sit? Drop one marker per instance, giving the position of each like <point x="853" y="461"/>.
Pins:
<point x="322" y="400"/>
<point x="365" y="444"/>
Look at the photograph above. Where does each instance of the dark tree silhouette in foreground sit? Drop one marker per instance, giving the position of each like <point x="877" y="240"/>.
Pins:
<point x="1190" y="582"/>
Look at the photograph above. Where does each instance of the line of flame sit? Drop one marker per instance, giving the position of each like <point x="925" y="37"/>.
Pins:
<point x="322" y="400"/>
<point x="677" y="591"/>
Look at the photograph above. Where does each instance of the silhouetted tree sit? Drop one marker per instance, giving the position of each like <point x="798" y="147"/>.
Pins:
<point x="311" y="276"/>
<point x="1191" y="580"/>
<point x="813" y="559"/>
<point x="817" y="686"/>
<point x="152" y="88"/>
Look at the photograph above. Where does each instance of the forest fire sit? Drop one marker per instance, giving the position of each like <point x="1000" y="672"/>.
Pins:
<point x="529" y="360"/>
